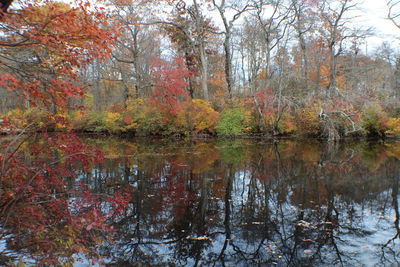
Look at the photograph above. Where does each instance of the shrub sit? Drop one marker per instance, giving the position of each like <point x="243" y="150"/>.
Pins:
<point x="393" y="126"/>
<point x="307" y="121"/>
<point x="374" y="120"/>
<point x="61" y="121"/>
<point x="231" y="122"/>
<point x="134" y="114"/>
<point x="112" y="122"/>
<point x="143" y="117"/>
<point x="20" y="119"/>
<point x="287" y="124"/>
<point x="197" y="116"/>
<point x="153" y="122"/>
<point x="78" y="120"/>
<point x="87" y="121"/>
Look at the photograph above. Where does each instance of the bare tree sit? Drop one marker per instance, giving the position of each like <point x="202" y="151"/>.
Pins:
<point x="333" y="16"/>
<point x="238" y="8"/>
<point x="394" y="12"/>
<point x="274" y="27"/>
<point x="303" y="24"/>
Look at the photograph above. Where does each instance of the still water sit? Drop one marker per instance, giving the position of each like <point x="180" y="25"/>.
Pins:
<point x="248" y="202"/>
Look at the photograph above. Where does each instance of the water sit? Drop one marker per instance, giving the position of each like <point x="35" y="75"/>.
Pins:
<point x="250" y="202"/>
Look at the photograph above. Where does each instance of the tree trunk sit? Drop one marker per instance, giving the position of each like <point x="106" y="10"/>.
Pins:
<point x="204" y="71"/>
<point x="228" y="63"/>
<point x="203" y="55"/>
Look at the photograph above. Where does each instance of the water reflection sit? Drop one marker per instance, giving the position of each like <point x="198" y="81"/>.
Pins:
<point x="242" y="202"/>
<point x="251" y="202"/>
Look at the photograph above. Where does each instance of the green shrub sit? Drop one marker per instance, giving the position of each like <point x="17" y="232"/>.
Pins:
<point x="231" y="122"/>
<point x="88" y="121"/>
<point x="374" y="120"/>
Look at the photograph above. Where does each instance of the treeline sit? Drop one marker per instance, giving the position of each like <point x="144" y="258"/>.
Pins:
<point x="228" y="68"/>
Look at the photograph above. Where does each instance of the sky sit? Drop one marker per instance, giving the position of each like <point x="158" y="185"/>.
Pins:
<point x="367" y="14"/>
<point x="373" y="13"/>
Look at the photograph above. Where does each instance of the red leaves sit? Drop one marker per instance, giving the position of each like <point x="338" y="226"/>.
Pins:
<point x="57" y="39"/>
<point x="40" y="204"/>
<point x="267" y="101"/>
<point x="169" y="84"/>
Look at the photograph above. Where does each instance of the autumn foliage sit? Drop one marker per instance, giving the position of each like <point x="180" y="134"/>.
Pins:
<point x="50" y="40"/>
<point x="169" y="84"/>
<point x="54" y="215"/>
<point x="49" y="214"/>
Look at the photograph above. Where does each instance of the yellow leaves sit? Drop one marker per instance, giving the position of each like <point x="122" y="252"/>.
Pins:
<point x="375" y="119"/>
<point x="17" y="116"/>
<point x="393" y="150"/>
<point x="112" y="121"/>
<point x="134" y="104"/>
<point x="197" y="116"/>
<point x="307" y="122"/>
<point x="88" y="100"/>
<point x="394" y="126"/>
<point x="112" y="117"/>
<point x="22" y="118"/>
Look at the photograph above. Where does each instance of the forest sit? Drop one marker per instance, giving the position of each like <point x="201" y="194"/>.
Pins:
<point x="197" y="68"/>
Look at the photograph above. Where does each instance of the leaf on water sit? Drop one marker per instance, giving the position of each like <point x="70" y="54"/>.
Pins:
<point x="201" y="238"/>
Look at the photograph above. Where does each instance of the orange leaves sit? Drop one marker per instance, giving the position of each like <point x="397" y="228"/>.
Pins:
<point x="57" y="39"/>
<point x="197" y="116"/>
<point x="218" y="80"/>
<point x="393" y="126"/>
<point x="325" y="79"/>
<point x="308" y="122"/>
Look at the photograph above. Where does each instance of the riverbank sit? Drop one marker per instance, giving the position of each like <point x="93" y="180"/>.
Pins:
<point x="199" y="118"/>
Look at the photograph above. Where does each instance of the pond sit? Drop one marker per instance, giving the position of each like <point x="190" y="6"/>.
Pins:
<point x="245" y="202"/>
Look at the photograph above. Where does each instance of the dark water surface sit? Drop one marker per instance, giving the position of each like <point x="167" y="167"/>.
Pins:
<point x="251" y="202"/>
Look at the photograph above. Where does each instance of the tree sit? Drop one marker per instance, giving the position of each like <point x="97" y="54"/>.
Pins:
<point x="44" y="42"/>
<point x="274" y="28"/>
<point x="202" y="27"/>
<point x="224" y="7"/>
<point x="334" y="31"/>
<point x="135" y="47"/>
<point x="169" y="84"/>
<point x="393" y="12"/>
<point x="303" y="24"/>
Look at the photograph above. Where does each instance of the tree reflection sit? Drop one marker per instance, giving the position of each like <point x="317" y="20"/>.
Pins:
<point x="242" y="202"/>
<point x="47" y="216"/>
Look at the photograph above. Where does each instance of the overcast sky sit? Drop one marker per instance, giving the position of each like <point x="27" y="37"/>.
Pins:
<point x="373" y="13"/>
<point x="370" y="13"/>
